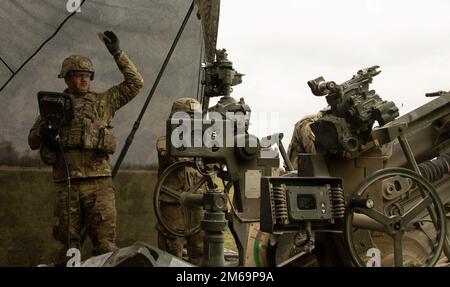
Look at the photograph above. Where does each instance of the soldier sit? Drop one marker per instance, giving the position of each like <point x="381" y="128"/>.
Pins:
<point x="170" y="207"/>
<point x="87" y="142"/>
<point x="302" y="138"/>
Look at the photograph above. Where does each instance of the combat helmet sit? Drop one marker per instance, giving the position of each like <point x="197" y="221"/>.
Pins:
<point x="187" y="105"/>
<point x="76" y="63"/>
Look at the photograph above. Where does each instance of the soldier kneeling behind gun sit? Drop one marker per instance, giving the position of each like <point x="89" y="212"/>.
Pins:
<point x="171" y="209"/>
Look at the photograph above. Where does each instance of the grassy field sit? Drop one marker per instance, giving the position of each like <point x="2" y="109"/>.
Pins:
<point x="26" y="220"/>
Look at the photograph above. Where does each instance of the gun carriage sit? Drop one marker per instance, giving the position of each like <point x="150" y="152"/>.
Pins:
<point x="370" y="195"/>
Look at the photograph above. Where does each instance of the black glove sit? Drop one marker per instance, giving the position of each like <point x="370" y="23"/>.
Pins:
<point x="111" y="42"/>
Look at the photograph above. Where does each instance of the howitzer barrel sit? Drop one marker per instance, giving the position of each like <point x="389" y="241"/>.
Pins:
<point x="428" y="132"/>
<point x="428" y="135"/>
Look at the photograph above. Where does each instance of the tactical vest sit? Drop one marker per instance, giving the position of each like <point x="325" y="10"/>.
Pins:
<point x="90" y="128"/>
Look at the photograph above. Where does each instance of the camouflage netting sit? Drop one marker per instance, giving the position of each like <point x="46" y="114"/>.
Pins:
<point x="146" y="30"/>
<point x="208" y="12"/>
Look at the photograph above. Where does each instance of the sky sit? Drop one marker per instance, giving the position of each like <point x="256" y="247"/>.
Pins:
<point x="281" y="45"/>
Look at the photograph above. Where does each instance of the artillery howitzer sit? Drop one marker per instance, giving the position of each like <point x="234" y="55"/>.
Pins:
<point x="347" y="201"/>
<point x="389" y="215"/>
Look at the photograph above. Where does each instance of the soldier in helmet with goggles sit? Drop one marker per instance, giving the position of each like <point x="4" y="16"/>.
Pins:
<point x="88" y="141"/>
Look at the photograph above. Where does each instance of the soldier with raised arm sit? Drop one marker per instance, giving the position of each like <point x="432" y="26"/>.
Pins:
<point x="88" y="142"/>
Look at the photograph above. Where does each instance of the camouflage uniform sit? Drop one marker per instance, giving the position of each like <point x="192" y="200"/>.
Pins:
<point x="302" y="138"/>
<point x="88" y="141"/>
<point x="170" y="207"/>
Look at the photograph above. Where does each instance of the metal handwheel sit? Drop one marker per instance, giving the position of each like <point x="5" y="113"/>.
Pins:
<point x="165" y="186"/>
<point x="421" y="200"/>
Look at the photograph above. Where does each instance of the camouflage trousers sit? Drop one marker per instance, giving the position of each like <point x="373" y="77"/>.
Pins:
<point x="173" y="215"/>
<point x="92" y="207"/>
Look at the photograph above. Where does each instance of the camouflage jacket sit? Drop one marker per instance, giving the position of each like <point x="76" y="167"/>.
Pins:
<point x="302" y="138"/>
<point x="88" y="139"/>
